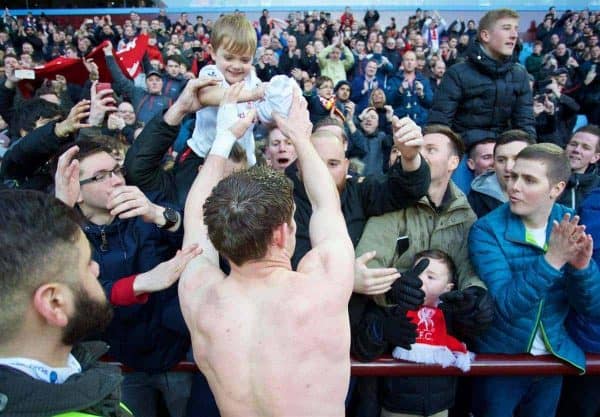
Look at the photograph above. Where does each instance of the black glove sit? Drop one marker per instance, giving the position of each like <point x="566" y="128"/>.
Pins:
<point x="471" y="310"/>
<point x="406" y="291"/>
<point x="398" y="330"/>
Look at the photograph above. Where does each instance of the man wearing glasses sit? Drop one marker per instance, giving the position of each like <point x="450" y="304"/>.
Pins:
<point x="132" y="238"/>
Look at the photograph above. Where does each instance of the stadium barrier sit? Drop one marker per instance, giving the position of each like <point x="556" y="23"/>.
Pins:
<point x="483" y="365"/>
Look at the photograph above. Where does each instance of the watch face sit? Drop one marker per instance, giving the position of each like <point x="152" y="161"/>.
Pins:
<point x="170" y="215"/>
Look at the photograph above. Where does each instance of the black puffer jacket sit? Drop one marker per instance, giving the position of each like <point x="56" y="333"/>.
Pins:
<point x="482" y="97"/>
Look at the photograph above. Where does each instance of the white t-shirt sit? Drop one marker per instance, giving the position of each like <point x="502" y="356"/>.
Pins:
<point x="206" y="118"/>
<point x="537" y="237"/>
<point x="42" y="372"/>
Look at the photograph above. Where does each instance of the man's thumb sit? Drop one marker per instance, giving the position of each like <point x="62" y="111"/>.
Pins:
<point x="366" y="257"/>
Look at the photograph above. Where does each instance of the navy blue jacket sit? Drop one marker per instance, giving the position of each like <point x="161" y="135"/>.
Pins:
<point x="150" y="337"/>
<point x="584" y="329"/>
<point x="146" y="105"/>
<point x="408" y="103"/>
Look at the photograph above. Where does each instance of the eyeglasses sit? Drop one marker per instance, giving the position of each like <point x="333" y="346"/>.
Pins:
<point x="104" y="175"/>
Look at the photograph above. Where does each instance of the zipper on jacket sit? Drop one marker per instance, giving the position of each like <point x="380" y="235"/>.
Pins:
<point x="104" y="243"/>
<point x="549" y="347"/>
<point x="538" y="322"/>
<point x="573" y="192"/>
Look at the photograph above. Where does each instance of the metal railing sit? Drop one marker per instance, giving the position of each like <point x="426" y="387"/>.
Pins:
<point x="483" y="365"/>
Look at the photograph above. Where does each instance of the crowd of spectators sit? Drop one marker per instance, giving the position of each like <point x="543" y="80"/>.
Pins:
<point x="480" y="93"/>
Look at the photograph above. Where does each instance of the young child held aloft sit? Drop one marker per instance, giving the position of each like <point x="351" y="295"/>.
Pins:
<point x="384" y="329"/>
<point x="232" y="47"/>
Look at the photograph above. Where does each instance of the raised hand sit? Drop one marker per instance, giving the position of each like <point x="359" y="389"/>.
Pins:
<point x="165" y="274"/>
<point x="66" y="178"/>
<point x="127" y="201"/>
<point x="406" y="291"/>
<point x="567" y="243"/>
<point x="101" y="103"/>
<point x="407" y="137"/>
<point x="297" y="125"/>
<point x="470" y="310"/>
<point x="74" y="120"/>
<point x="372" y="281"/>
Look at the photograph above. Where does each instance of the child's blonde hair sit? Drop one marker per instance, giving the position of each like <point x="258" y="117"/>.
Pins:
<point x="234" y="33"/>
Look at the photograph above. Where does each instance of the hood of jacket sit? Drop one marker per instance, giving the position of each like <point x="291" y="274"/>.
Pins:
<point x="95" y="390"/>
<point x="487" y="184"/>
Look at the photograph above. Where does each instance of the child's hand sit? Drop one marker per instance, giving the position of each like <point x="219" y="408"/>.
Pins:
<point x="471" y="309"/>
<point x="406" y="291"/>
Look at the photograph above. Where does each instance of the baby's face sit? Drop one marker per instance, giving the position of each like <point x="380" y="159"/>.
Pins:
<point x="234" y="66"/>
<point x="436" y="281"/>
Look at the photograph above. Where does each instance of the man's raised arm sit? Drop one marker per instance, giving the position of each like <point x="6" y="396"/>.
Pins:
<point x="229" y="129"/>
<point x="328" y="231"/>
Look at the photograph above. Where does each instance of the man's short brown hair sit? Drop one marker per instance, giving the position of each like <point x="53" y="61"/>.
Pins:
<point x="513" y="135"/>
<point x="490" y="18"/>
<point x="38" y="241"/>
<point x="244" y="209"/>
<point x="553" y="156"/>
<point x="457" y="146"/>
<point x="592" y="130"/>
<point x="234" y="33"/>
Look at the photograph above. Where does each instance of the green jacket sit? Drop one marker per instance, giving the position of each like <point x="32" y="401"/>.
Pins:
<point x="447" y="230"/>
<point x="336" y="70"/>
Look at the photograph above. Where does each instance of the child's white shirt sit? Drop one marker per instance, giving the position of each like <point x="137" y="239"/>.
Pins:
<point x="206" y="118"/>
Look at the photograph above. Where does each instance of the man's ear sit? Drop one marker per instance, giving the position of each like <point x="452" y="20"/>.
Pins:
<point x="595" y="158"/>
<point x="484" y="36"/>
<point x="471" y="164"/>
<point x="453" y="162"/>
<point x="51" y="302"/>
<point x="557" y="189"/>
<point x="280" y="235"/>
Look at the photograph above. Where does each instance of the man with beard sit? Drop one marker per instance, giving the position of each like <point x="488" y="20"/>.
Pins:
<point x="130" y="236"/>
<point x="51" y="300"/>
<point x="438" y="69"/>
<point x="342" y="91"/>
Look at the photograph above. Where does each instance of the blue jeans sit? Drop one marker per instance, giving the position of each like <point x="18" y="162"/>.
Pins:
<point x="141" y="390"/>
<point x="521" y="396"/>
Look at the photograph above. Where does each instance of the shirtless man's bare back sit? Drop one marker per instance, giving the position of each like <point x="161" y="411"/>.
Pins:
<point x="271" y="341"/>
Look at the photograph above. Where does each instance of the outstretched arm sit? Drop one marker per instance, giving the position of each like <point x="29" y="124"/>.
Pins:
<point x="204" y="269"/>
<point x="215" y="94"/>
<point x="143" y="159"/>
<point x="328" y="232"/>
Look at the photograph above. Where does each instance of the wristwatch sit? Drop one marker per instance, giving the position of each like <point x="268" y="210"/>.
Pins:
<point x="171" y="218"/>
